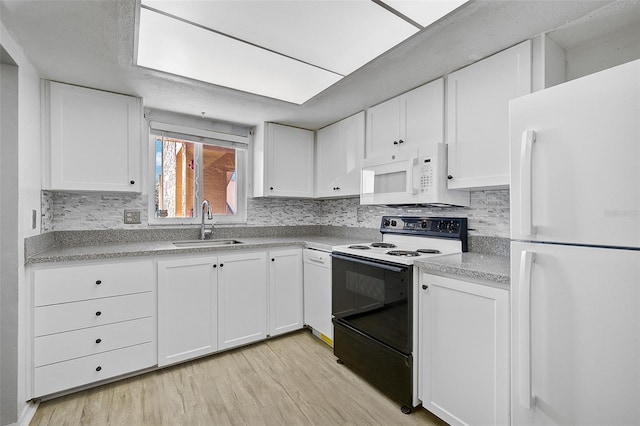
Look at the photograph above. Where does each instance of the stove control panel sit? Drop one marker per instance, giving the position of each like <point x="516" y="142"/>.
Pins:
<point x="439" y="227"/>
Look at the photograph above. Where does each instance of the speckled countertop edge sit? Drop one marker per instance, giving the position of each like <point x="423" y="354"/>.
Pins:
<point x="477" y="266"/>
<point x="157" y="248"/>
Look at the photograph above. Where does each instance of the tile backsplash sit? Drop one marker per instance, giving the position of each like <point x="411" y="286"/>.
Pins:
<point x="65" y="211"/>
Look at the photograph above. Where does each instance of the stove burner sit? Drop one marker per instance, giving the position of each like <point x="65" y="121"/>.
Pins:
<point x="429" y="251"/>
<point x="360" y="247"/>
<point x="404" y="253"/>
<point x="383" y="245"/>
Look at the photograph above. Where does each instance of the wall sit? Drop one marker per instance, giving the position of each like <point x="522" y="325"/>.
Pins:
<point x="8" y="238"/>
<point x="26" y="183"/>
<point x="488" y="214"/>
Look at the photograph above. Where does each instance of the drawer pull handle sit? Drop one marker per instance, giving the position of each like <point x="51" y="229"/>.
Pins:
<point x="98" y="313"/>
<point x="98" y="282"/>
<point x="98" y="368"/>
<point x="98" y="340"/>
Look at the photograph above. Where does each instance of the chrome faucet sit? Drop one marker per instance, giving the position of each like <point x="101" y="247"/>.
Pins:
<point x="206" y="204"/>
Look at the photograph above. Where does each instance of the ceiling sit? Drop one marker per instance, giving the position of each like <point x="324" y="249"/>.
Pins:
<point x="284" y="49"/>
<point x="91" y="43"/>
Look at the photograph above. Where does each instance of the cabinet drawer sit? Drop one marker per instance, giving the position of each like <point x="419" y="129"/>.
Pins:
<point x="91" y="313"/>
<point x="65" y="375"/>
<point x="90" y="341"/>
<point x="73" y="283"/>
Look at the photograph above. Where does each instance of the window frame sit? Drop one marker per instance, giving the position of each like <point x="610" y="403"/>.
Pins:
<point x="204" y="137"/>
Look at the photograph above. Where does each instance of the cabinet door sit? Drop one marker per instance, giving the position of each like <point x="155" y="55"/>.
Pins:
<point x="464" y="351"/>
<point x="285" y="291"/>
<point x="290" y="161"/>
<point x="187" y="306"/>
<point x="339" y="154"/>
<point x="352" y="141"/>
<point x="383" y="128"/>
<point x="94" y="140"/>
<point x="478" y="117"/>
<point x="242" y="299"/>
<point x="328" y="155"/>
<point x="423" y="115"/>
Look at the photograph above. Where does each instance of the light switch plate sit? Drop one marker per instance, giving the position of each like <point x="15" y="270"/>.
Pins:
<point x="132" y="217"/>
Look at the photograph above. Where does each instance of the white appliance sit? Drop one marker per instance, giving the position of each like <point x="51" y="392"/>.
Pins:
<point x="415" y="178"/>
<point x="317" y="293"/>
<point x="575" y="252"/>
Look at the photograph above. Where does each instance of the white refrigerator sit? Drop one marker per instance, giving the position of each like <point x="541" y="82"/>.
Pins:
<point x="575" y="252"/>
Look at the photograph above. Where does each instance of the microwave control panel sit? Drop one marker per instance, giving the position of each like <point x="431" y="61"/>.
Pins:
<point x="425" y="168"/>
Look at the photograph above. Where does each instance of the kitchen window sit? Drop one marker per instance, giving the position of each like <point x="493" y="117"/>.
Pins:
<point x="191" y="165"/>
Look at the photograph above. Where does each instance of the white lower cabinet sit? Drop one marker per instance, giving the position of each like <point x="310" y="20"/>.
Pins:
<point x="464" y="351"/>
<point x="285" y="291"/>
<point x="90" y="322"/>
<point x="242" y="299"/>
<point x="187" y="308"/>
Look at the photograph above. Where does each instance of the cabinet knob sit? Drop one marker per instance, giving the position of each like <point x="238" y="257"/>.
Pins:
<point x="98" y="282"/>
<point x="424" y="286"/>
<point x="98" y="340"/>
<point x="98" y="313"/>
<point x="395" y="142"/>
<point x="221" y="265"/>
<point x="132" y="182"/>
<point x="215" y="266"/>
<point x="273" y="260"/>
<point x="271" y="188"/>
<point x="98" y="368"/>
<point x="400" y="141"/>
<point x="449" y="177"/>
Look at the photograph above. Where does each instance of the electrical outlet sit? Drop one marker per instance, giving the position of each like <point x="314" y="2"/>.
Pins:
<point x="132" y="216"/>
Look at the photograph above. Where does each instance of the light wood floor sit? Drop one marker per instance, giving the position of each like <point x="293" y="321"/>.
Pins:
<point x="290" y="380"/>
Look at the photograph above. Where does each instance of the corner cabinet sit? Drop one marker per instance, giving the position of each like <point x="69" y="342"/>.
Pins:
<point x="406" y="122"/>
<point x="339" y="154"/>
<point x="92" y="139"/>
<point x="478" y="117"/>
<point x="464" y="351"/>
<point x="283" y="161"/>
<point x="285" y="291"/>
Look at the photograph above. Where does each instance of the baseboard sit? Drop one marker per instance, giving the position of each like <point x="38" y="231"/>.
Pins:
<point x="28" y="412"/>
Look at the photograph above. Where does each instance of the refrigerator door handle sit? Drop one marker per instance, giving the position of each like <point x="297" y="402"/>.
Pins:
<point x="526" y="177"/>
<point x="524" y="330"/>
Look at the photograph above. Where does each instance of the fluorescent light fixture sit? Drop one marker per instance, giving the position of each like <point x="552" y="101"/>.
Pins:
<point x="287" y="50"/>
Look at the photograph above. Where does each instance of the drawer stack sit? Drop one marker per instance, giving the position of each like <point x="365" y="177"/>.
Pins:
<point x="92" y="322"/>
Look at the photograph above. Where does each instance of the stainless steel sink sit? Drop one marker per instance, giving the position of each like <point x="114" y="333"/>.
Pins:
<point x="205" y="243"/>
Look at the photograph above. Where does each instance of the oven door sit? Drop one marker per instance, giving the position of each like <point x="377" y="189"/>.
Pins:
<point x="374" y="298"/>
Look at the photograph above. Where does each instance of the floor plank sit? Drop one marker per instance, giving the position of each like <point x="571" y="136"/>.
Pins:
<point x="289" y="380"/>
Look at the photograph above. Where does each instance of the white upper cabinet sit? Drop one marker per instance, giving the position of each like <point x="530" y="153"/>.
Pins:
<point x="283" y="161"/>
<point x="92" y="139"/>
<point x="339" y="153"/>
<point x="478" y="117"/>
<point x="406" y="122"/>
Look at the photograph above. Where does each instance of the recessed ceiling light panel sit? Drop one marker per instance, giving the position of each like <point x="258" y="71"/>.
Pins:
<point x="176" y="47"/>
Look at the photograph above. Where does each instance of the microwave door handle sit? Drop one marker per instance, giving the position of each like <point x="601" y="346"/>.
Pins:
<point x="369" y="263"/>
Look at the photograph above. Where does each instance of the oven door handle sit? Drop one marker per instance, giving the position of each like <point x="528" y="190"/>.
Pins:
<point x="369" y="263"/>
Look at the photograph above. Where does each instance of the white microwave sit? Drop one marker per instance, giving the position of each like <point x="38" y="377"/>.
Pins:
<point x="415" y="179"/>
